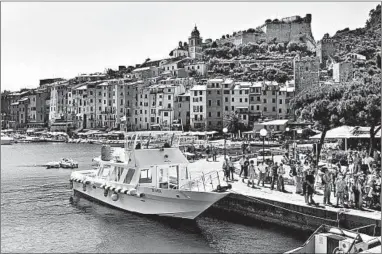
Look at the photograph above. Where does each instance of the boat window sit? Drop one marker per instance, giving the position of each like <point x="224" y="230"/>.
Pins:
<point x="129" y="175"/>
<point x="119" y="173"/>
<point x="145" y="176"/>
<point x="104" y="171"/>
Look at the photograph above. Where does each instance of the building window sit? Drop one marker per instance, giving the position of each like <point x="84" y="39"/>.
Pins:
<point x="209" y="103"/>
<point x="169" y="97"/>
<point x="264" y="100"/>
<point x="252" y="107"/>
<point x="280" y="110"/>
<point x="280" y="101"/>
<point x="209" y="114"/>
<point x="258" y="98"/>
<point x="241" y="100"/>
<point x="218" y="114"/>
<point x="274" y="109"/>
<point x="218" y="102"/>
<point x="226" y="99"/>
<point x="265" y="109"/>
<point x="165" y="113"/>
<point x="233" y="99"/>
<point x="273" y="100"/>
<point x="226" y="108"/>
<point x="233" y="108"/>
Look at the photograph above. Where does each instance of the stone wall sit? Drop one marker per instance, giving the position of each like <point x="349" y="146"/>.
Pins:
<point x="293" y="216"/>
<point x="288" y="31"/>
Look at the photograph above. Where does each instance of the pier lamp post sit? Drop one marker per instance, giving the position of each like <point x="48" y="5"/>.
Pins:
<point x="263" y="133"/>
<point x="225" y="130"/>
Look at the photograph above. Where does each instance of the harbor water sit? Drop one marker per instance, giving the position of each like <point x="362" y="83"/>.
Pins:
<point x="38" y="216"/>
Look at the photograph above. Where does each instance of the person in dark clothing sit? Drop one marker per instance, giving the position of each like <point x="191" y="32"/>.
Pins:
<point x="214" y="153"/>
<point x="309" y="179"/>
<point x="245" y="168"/>
<point x="208" y="152"/>
<point x="274" y="175"/>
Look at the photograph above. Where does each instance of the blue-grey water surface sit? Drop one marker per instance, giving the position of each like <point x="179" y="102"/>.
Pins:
<point x="37" y="215"/>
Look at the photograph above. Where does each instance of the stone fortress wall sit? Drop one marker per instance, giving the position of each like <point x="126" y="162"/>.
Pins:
<point x="289" y="29"/>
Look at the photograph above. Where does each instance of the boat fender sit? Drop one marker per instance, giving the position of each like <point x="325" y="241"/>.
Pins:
<point x="132" y="192"/>
<point x="105" y="192"/>
<point x="71" y="184"/>
<point x="114" y="196"/>
<point x="118" y="190"/>
<point x="87" y="182"/>
<point x="125" y="191"/>
<point x="218" y="188"/>
<point x="229" y="186"/>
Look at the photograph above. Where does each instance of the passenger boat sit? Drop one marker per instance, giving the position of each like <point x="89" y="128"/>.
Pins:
<point x="151" y="181"/>
<point x="5" y="140"/>
<point x="328" y="239"/>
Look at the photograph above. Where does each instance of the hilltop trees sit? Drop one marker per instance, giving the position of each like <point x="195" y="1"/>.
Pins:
<point x="361" y="106"/>
<point x="319" y="104"/>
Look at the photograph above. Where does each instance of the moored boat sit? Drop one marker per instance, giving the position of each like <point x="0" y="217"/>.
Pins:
<point x="149" y="181"/>
<point x="68" y="163"/>
<point x="328" y="239"/>
<point x="5" y="140"/>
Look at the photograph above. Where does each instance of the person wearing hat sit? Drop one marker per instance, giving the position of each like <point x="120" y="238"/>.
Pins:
<point x="327" y="180"/>
<point x="274" y="175"/>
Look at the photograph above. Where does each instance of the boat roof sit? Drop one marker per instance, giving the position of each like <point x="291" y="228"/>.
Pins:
<point x="149" y="157"/>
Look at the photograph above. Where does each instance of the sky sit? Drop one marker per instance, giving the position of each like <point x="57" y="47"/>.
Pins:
<point x="63" y="39"/>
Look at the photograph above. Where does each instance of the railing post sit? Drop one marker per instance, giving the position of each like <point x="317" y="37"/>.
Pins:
<point x="217" y="172"/>
<point x="204" y="184"/>
<point x="211" y="182"/>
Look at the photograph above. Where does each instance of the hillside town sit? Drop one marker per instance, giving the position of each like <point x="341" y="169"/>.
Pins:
<point x="259" y="135"/>
<point x="194" y="88"/>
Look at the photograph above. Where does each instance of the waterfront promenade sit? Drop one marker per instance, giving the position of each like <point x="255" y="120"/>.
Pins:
<point x="280" y="202"/>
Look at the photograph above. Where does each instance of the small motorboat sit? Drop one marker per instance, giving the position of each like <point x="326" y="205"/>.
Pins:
<point x="328" y="239"/>
<point x="68" y="163"/>
<point x="53" y="164"/>
<point x="6" y="140"/>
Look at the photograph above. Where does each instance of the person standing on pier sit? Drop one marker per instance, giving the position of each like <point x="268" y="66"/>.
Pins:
<point x="309" y="188"/>
<point x="208" y="150"/>
<point x="341" y="188"/>
<point x="241" y="162"/>
<point x="245" y="168"/>
<point x="214" y="153"/>
<point x="252" y="173"/>
<point x="274" y="175"/>
<point x="280" y="182"/>
<point x="327" y="181"/>
<point x="262" y="173"/>
<point x="231" y="168"/>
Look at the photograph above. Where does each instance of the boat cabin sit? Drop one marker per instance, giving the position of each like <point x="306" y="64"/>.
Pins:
<point x="164" y="168"/>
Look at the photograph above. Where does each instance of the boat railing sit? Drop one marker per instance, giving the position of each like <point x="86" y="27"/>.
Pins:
<point x="205" y="182"/>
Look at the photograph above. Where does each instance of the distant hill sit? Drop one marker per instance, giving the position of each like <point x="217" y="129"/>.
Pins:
<point x="224" y="55"/>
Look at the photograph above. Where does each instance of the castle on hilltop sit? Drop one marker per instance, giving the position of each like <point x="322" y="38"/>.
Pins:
<point x="289" y="29"/>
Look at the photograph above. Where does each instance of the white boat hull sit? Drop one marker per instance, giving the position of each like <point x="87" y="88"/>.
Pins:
<point x="162" y="202"/>
<point x="6" y="141"/>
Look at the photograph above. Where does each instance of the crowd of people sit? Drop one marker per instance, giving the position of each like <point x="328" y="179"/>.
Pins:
<point x="355" y="181"/>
